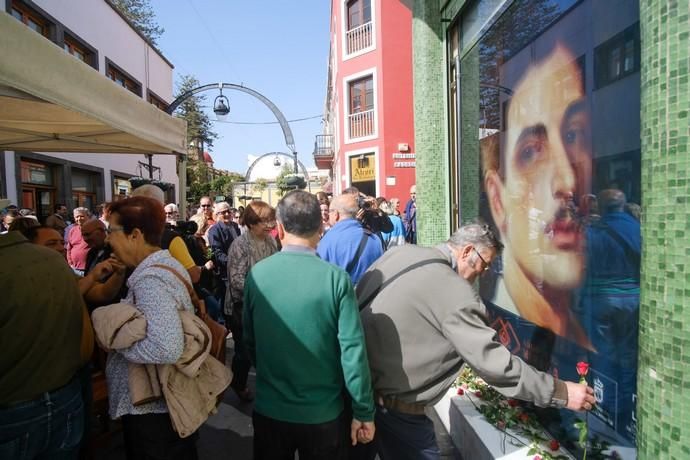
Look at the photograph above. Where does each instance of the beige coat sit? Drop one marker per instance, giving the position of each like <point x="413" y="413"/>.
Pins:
<point x="190" y="387"/>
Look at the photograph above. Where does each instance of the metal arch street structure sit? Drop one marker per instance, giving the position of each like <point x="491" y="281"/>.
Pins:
<point x="247" y="176"/>
<point x="287" y="132"/>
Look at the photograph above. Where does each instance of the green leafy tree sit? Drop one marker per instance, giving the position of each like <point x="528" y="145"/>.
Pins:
<point x="199" y="125"/>
<point x="142" y="16"/>
<point x="223" y="185"/>
<point x="260" y="185"/>
<point x="199" y="128"/>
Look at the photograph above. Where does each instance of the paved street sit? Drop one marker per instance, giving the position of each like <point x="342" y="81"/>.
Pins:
<point x="229" y="433"/>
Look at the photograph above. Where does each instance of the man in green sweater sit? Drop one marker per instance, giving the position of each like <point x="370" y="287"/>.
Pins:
<point x="304" y="336"/>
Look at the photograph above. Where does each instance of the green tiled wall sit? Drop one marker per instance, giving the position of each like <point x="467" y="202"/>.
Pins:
<point x="470" y="169"/>
<point x="663" y="409"/>
<point x="433" y="220"/>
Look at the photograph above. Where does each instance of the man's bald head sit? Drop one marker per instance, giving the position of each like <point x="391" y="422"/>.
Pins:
<point x="345" y="206"/>
<point x="93" y="232"/>
<point x="150" y="191"/>
<point x="611" y="200"/>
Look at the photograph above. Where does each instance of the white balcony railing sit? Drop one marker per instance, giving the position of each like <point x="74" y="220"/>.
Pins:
<point x="359" y="38"/>
<point x="361" y="124"/>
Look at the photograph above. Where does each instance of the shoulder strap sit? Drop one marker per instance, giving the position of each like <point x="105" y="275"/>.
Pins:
<point x="360" y="249"/>
<point x="198" y="304"/>
<point x="407" y="269"/>
<point x="632" y="255"/>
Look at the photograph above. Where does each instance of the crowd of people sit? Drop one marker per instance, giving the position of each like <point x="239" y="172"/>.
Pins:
<point x="320" y="294"/>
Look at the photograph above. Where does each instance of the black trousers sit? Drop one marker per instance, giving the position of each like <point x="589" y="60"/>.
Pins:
<point x="240" y="360"/>
<point x="277" y="440"/>
<point x="152" y="437"/>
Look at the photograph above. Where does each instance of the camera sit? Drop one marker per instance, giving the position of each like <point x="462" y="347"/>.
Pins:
<point x="186" y="228"/>
<point x="363" y="203"/>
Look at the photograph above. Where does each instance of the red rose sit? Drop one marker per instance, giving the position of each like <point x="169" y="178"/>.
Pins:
<point x="523" y="417"/>
<point x="512" y="402"/>
<point x="461" y="392"/>
<point x="478" y="394"/>
<point x="582" y="368"/>
<point x="554" y="445"/>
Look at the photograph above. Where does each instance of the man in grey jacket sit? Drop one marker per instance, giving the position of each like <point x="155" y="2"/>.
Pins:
<point x="423" y="320"/>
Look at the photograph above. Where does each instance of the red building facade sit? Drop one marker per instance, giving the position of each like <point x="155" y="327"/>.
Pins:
<point x="368" y="138"/>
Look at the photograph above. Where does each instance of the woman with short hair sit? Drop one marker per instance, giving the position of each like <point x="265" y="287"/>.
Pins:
<point x="135" y="231"/>
<point x="254" y="245"/>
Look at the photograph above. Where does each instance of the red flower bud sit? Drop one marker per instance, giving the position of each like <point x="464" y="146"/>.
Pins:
<point x="523" y="417"/>
<point x="582" y="368"/>
<point x="537" y="457"/>
<point x="554" y="445"/>
<point x="501" y="425"/>
<point x="461" y="392"/>
<point x="478" y="394"/>
<point x="513" y="402"/>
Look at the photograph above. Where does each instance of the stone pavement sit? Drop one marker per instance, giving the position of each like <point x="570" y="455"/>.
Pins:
<point x="228" y="434"/>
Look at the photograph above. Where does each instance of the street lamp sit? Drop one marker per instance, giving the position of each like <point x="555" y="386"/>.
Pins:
<point x="221" y="106"/>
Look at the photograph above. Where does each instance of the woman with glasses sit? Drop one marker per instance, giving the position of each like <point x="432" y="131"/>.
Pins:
<point x="135" y="231"/>
<point x="255" y="244"/>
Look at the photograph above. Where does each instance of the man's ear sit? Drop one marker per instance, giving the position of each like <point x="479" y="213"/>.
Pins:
<point x="494" y="192"/>
<point x="465" y="252"/>
<point x="281" y="232"/>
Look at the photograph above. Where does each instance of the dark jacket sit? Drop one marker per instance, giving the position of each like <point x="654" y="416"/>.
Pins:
<point x="220" y="237"/>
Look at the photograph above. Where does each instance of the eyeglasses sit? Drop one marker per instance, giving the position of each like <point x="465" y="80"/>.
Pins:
<point x="485" y="264"/>
<point x="205" y="205"/>
<point x="269" y="224"/>
<point x="112" y="229"/>
<point x="169" y="213"/>
<point x="225" y="211"/>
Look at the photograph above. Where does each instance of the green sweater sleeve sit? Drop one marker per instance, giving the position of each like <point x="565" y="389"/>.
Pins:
<point x="353" y="353"/>
<point x="248" y="320"/>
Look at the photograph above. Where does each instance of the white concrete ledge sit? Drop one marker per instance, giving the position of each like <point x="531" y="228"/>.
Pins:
<point x="476" y="439"/>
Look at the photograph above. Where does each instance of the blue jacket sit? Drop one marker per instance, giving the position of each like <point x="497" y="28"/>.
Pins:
<point x="340" y="244"/>
<point x="220" y="237"/>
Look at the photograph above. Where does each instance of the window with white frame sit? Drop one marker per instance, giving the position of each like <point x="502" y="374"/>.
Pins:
<point x="361" y="112"/>
<point x="359" y="35"/>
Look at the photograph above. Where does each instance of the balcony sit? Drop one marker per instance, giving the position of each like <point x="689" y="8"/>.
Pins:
<point x="359" y="38"/>
<point x="324" y="151"/>
<point x="361" y="124"/>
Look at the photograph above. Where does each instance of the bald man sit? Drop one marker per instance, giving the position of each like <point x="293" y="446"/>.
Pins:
<point x="93" y="233"/>
<point x="347" y="244"/>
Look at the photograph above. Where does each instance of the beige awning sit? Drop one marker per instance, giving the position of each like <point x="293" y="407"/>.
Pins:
<point x="52" y="102"/>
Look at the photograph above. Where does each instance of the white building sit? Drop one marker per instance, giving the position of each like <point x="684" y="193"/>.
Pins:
<point x="95" y="33"/>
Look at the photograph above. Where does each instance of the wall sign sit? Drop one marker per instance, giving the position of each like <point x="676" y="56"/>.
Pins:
<point x="409" y="157"/>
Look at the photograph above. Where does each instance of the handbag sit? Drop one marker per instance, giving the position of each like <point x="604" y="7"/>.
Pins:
<point x="218" y="331"/>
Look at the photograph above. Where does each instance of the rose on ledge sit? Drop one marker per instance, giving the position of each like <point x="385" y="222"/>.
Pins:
<point x="581" y="425"/>
<point x="509" y="417"/>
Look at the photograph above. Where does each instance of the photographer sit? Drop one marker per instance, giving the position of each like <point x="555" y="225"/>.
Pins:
<point x="371" y="217"/>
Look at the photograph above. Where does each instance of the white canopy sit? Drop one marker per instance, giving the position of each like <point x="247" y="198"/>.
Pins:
<point x="52" y="102"/>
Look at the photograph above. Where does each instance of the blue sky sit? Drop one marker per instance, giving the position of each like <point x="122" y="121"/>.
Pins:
<point x="276" y="47"/>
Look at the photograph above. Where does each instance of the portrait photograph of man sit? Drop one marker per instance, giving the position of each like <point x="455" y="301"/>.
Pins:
<point x="532" y="172"/>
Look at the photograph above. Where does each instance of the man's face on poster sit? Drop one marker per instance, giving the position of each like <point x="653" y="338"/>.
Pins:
<point x="546" y="163"/>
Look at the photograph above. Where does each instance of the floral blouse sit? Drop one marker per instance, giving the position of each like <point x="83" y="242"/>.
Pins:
<point x="244" y="252"/>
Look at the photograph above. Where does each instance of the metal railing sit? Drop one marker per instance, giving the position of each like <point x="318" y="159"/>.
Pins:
<point x="359" y="38"/>
<point x="361" y="124"/>
<point x="323" y="145"/>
